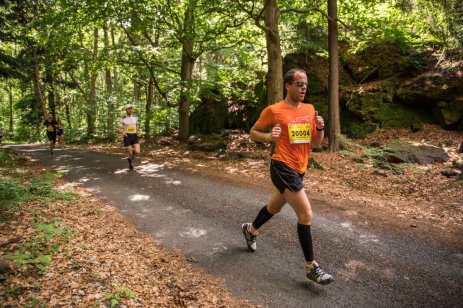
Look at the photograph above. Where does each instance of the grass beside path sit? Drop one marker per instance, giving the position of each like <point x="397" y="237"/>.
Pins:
<point x="60" y="246"/>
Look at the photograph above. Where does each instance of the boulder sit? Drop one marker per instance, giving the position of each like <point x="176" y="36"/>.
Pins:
<point x="414" y="152"/>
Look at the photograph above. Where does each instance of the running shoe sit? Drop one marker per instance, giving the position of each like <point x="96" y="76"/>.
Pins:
<point x="317" y="275"/>
<point x="250" y="239"/>
<point x="130" y="164"/>
<point x="51" y="153"/>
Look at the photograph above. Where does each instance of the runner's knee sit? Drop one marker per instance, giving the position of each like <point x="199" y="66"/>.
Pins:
<point x="305" y="217"/>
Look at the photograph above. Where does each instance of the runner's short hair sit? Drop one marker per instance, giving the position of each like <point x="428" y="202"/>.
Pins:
<point x="289" y="76"/>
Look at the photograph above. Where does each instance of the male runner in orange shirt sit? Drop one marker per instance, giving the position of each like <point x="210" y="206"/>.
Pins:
<point x="296" y="127"/>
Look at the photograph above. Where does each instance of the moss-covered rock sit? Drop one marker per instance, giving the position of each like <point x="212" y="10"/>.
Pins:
<point x="450" y="114"/>
<point x="378" y="61"/>
<point x="394" y="115"/>
<point x="353" y="127"/>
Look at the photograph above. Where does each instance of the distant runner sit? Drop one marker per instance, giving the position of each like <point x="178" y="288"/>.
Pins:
<point x="129" y="128"/>
<point x="51" y="126"/>
<point x="60" y="133"/>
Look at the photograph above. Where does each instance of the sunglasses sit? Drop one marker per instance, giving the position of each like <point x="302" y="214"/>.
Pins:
<point x="300" y="83"/>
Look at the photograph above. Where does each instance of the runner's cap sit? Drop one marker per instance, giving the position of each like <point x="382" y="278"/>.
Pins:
<point x="128" y="106"/>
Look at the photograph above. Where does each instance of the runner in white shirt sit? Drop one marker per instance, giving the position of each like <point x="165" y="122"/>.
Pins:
<point x="129" y="128"/>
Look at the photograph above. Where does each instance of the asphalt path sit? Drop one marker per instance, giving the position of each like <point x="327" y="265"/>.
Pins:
<point x="201" y="218"/>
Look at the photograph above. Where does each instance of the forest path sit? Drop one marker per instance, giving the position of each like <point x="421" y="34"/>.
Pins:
<point x="201" y="217"/>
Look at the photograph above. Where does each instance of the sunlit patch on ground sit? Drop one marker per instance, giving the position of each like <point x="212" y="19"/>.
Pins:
<point x="151" y="170"/>
<point x="63" y="169"/>
<point x="352" y="268"/>
<point x="138" y="197"/>
<point x="174" y="182"/>
<point x="193" y="233"/>
<point x="368" y="238"/>
<point x="94" y="190"/>
<point x="218" y="248"/>
<point x="347" y="225"/>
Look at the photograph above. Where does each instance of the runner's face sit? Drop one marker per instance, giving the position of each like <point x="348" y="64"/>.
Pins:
<point x="128" y="110"/>
<point x="50" y="117"/>
<point x="298" y="87"/>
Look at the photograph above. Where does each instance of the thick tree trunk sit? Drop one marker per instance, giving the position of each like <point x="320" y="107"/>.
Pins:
<point x="333" y="80"/>
<point x="275" y="60"/>
<point x="185" y="75"/>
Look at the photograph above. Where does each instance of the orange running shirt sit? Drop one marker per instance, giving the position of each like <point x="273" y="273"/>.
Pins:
<point x="297" y="131"/>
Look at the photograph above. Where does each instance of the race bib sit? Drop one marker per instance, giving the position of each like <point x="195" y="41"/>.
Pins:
<point x="50" y="128"/>
<point x="299" y="133"/>
<point x="131" y="129"/>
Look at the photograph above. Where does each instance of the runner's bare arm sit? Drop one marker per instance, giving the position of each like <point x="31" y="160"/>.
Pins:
<point x="259" y="133"/>
<point x="120" y="129"/>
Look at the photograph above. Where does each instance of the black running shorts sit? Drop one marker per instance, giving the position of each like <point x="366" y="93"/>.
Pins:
<point x="51" y="137"/>
<point x="285" y="177"/>
<point x="130" y="139"/>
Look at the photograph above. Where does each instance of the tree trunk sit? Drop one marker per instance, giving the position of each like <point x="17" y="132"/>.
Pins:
<point x="38" y="90"/>
<point x="91" y="105"/>
<point x="115" y="72"/>
<point x="68" y="115"/>
<point x="51" y="90"/>
<point x="275" y="60"/>
<point x="185" y="75"/>
<point x="10" y="104"/>
<point x="136" y="88"/>
<point x="333" y="79"/>
<point x="149" y="103"/>
<point x="109" y="131"/>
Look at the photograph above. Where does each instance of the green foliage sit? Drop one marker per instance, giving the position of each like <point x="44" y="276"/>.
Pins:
<point x="14" y="190"/>
<point x="35" y="303"/>
<point x="416" y="23"/>
<point x="47" y="239"/>
<point x="120" y="293"/>
<point x="13" y="291"/>
<point x="139" y="40"/>
<point x="10" y="192"/>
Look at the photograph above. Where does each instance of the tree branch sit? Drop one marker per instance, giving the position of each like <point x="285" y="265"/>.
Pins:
<point x="308" y="10"/>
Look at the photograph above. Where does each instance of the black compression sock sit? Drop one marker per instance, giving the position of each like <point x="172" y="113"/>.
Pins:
<point x="262" y="218"/>
<point x="305" y="239"/>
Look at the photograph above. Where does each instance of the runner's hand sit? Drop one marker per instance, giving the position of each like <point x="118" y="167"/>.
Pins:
<point x="276" y="132"/>
<point x="319" y="122"/>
